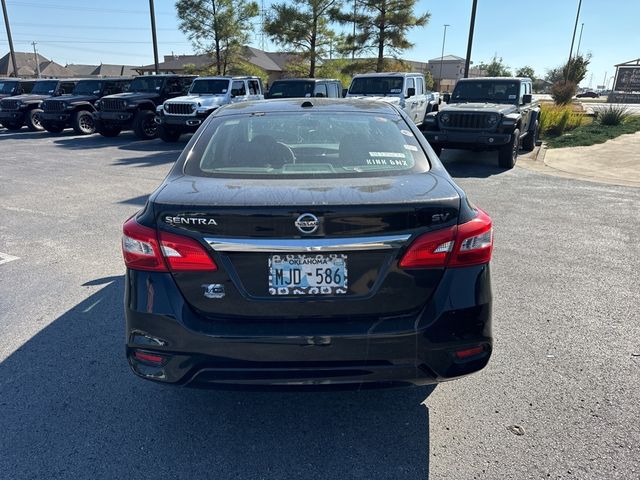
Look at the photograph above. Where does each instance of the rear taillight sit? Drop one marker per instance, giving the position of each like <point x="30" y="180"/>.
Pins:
<point x="142" y="251"/>
<point x="468" y="244"/>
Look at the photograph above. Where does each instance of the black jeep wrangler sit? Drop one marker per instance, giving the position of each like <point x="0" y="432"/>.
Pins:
<point x="486" y="114"/>
<point x="25" y="109"/>
<point x="76" y="109"/>
<point x="136" y="109"/>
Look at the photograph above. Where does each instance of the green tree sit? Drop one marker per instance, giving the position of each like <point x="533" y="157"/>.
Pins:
<point x="526" y="72"/>
<point x="303" y="27"/>
<point x="496" y="68"/>
<point x="576" y="69"/>
<point x="382" y="26"/>
<point x="218" y="27"/>
<point x="554" y="75"/>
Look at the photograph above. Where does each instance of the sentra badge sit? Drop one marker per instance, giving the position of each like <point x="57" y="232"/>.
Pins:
<point x="189" y="221"/>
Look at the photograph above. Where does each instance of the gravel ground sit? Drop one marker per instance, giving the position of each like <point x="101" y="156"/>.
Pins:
<point x="559" y="398"/>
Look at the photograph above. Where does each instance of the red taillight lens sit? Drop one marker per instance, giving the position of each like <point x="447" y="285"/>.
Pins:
<point x="184" y="253"/>
<point x="142" y="251"/>
<point x="468" y="244"/>
<point x="430" y="250"/>
<point x="148" y="357"/>
<point x="140" y="247"/>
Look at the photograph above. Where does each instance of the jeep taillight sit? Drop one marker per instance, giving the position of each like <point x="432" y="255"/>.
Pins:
<point x="470" y="243"/>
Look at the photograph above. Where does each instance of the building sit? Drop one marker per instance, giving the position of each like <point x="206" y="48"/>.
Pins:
<point x="273" y="63"/>
<point x="28" y="67"/>
<point x="103" y="70"/>
<point x="447" y="70"/>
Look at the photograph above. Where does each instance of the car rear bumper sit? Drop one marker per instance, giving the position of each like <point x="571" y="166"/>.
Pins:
<point x="411" y="348"/>
<point x="466" y="139"/>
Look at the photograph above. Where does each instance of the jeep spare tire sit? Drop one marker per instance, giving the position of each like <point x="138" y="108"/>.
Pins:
<point x="508" y="154"/>
<point x="145" y="126"/>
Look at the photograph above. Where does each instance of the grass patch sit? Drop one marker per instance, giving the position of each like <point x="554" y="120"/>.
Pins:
<point x="593" y="133"/>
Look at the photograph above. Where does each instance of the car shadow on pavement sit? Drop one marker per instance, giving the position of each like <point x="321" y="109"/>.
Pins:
<point x="27" y="134"/>
<point x="72" y="409"/>
<point x="469" y="164"/>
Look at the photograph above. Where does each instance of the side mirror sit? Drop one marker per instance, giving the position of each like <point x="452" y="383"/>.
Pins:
<point x="527" y="98"/>
<point x="266" y="95"/>
<point x="446" y="97"/>
<point x="411" y="92"/>
<point x="344" y="92"/>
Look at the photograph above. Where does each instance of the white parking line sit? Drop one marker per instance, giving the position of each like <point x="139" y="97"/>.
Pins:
<point x="5" y="258"/>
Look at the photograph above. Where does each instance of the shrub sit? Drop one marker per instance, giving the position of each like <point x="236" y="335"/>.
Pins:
<point x="556" y="120"/>
<point x="562" y="92"/>
<point x="611" y="115"/>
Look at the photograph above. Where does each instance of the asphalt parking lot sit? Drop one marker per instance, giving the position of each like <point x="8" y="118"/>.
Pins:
<point x="559" y="398"/>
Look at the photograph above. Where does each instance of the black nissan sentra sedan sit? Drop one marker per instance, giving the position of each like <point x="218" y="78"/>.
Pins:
<point x="308" y="243"/>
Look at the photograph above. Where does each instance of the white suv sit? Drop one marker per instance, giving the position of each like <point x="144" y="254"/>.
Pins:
<point x="185" y="114"/>
<point x="406" y="90"/>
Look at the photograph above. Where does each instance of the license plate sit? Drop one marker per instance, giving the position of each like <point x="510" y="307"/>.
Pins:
<point x="308" y="274"/>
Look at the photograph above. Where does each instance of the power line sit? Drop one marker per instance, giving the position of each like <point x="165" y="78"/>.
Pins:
<point x="84" y="27"/>
<point x="68" y="7"/>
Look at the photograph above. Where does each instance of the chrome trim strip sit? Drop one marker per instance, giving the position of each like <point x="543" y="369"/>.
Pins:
<point x="304" y="245"/>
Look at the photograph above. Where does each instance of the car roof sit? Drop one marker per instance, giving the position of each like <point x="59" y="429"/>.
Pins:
<point x="306" y="80"/>
<point x="520" y="79"/>
<point x="229" y="77"/>
<point x="108" y="79"/>
<point x="311" y="104"/>
<point x="388" y="74"/>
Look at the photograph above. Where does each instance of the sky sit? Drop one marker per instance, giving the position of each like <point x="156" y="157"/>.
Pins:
<point x="538" y="35"/>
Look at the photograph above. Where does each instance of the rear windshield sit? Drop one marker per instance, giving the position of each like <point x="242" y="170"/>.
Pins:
<point x="306" y="145"/>
<point x="376" y="86"/>
<point x="7" y="87"/>
<point x="291" y="89"/>
<point x="88" y="87"/>
<point x="213" y="87"/>
<point x="45" y="88"/>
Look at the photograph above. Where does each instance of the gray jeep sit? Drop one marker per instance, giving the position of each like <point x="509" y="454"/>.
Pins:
<point x="486" y="114"/>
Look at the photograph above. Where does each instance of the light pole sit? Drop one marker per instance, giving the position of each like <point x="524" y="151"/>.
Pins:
<point x="579" y="40"/>
<point x="472" y="25"/>
<point x="573" y="39"/>
<point x="444" y="37"/>
<point x="35" y="56"/>
<point x="12" y="52"/>
<point x="152" y="14"/>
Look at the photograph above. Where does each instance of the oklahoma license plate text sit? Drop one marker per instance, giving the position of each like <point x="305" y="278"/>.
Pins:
<point x="291" y="274"/>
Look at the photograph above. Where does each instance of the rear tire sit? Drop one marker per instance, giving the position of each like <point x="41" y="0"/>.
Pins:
<point x="34" y="123"/>
<point x="167" y="134"/>
<point x="508" y="154"/>
<point x="144" y="125"/>
<point x="83" y="123"/>
<point x="529" y="142"/>
<point x="109" y="131"/>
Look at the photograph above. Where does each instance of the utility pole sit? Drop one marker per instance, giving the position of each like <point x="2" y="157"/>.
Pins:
<point x="153" y="34"/>
<point x="579" y="40"/>
<point x="573" y="39"/>
<point x="35" y="56"/>
<point x="444" y="37"/>
<point x="11" y="50"/>
<point x="472" y="26"/>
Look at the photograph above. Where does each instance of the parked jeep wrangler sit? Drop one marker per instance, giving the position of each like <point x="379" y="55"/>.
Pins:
<point x="10" y="87"/>
<point x="305" y="87"/>
<point x="405" y="90"/>
<point x="136" y="109"/>
<point x="25" y="109"/>
<point x="76" y="109"/>
<point x="487" y="114"/>
<point x="185" y="114"/>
